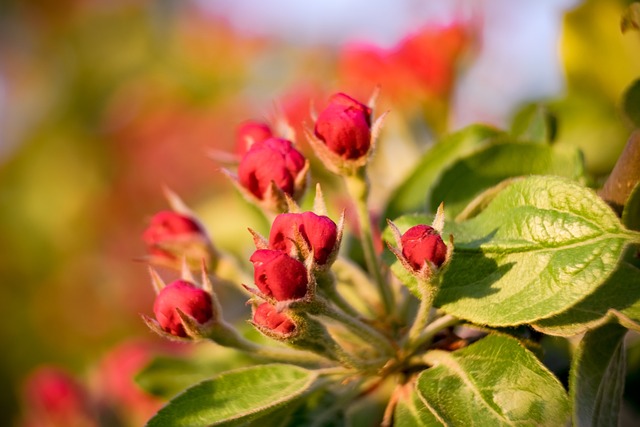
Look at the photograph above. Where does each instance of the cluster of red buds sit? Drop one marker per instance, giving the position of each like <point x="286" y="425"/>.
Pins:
<point x="293" y="269"/>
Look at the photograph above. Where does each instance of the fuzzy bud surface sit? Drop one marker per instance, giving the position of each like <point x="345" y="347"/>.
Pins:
<point x="319" y="232"/>
<point x="422" y="243"/>
<point x="278" y="275"/>
<point x="185" y="296"/>
<point x="345" y="127"/>
<point x="266" y="316"/>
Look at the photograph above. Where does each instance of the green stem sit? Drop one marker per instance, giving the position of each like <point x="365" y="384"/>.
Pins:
<point x="433" y="328"/>
<point x="358" y="188"/>
<point x="428" y="293"/>
<point x="371" y="335"/>
<point x="327" y="283"/>
<point x="225" y="335"/>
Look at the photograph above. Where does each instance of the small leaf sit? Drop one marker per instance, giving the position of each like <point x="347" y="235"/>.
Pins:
<point x="494" y="382"/>
<point x="597" y="377"/>
<point x="542" y="245"/>
<point x="534" y="123"/>
<point x="618" y="298"/>
<point x="469" y="176"/>
<point x="631" y="18"/>
<point x="236" y="397"/>
<point x="631" y="100"/>
<point x="411" y="195"/>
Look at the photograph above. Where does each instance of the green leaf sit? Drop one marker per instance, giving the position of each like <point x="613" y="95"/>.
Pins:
<point x="411" y="195"/>
<point x="469" y="176"/>
<point x="596" y="380"/>
<point x="542" y="245"/>
<point x="411" y="412"/>
<point x="631" y="102"/>
<point x="236" y="397"/>
<point x="534" y="123"/>
<point x="494" y="382"/>
<point x="618" y="298"/>
<point x="167" y="376"/>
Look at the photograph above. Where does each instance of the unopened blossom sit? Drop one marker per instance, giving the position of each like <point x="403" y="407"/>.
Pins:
<point x="423" y="243"/>
<point x="185" y="296"/>
<point x="318" y="231"/>
<point x="345" y="127"/>
<point x="273" y="160"/>
<point x="278" y="275"/>
<point x="172" y="236"/>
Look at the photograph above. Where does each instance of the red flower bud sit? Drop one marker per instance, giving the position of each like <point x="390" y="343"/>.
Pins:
<point x="185" y="296"/>
<point x="171" y="236"/>
<point x="422" y="243"/>
<point x="266" y="316"/>
<point x="320" y="233"/>
<point x="345" y="127"/>
<point x="277" y="274"/>
<point x="275" y="160"/>
<point x="249" y="133"/>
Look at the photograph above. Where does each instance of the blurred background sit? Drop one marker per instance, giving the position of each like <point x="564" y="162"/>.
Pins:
<point x="102" y="103"/>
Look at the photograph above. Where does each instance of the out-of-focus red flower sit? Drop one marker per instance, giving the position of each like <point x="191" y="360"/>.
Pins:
<point x="319" y="232"/>
<point x="345" y="127"/>
<point x="422" y="243"/>
<point x="266" y="316"/>
<point x="422" y="64"/>
<point x="251" y="132"/>
<point x="53" y="398"/>
<point x="278" y="275"/>
<point x="185" y="296"/>
<point x="274" y="160"/>
<point x="115" y="378"/>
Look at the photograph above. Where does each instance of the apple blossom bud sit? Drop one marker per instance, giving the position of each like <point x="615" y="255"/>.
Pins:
<point x="172" y="236"/>
<point x="249" y="133"/>
<point x="422" y="243"/>
<point x="267" y="317"/>
<point x="274" y="160"/>
<point x="345" y="127"/>
<point x="318" y="231"/>
<point x="186" y="297"/>
<point x="278" y="275"/>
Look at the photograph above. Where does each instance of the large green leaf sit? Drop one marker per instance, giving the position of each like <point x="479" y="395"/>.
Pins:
<point x="541" y="245"/>
<point x="469" y="176"/>
<point x="597" y="377"/>
<point x="167" y="376"/>
<point x="411" y="195"/>
<point x="236" y="397"/>
<point x="618" y="298"/>
<point x="494" y="382"/>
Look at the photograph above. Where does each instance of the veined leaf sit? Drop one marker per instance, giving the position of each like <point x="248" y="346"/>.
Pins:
<point x="494" y="382"/>
<point x="236" y="397"/>
<point x="471" y="175"/>
<point x="597" y="377"/>
<point x="618" y="298"/>
<point x="541" y="245"/>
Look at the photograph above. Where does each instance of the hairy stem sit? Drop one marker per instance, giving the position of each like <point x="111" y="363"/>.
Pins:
<point x="358" y="188"/>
